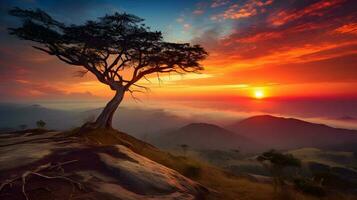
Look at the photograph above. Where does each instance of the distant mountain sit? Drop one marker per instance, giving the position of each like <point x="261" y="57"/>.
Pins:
<point x="140" y="122"/>
<point x="137" y="121"/>
<point x="290" y="133"/>
<point x="13" y="115"/>
<point x="347" y="118"/>
<point x="204" y="136"/>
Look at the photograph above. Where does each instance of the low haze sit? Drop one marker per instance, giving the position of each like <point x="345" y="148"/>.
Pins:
<point x="191" y="99"/>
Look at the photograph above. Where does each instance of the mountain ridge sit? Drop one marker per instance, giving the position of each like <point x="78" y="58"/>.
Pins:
<point x="203" y="136"/>
<point x="285" y="133"/>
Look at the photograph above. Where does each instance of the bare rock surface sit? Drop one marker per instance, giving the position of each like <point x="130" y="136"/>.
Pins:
<point x="50" y="166"/>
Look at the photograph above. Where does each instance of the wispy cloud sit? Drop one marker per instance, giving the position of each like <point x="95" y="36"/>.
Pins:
<point x="317" y="9"/>
<point x="350" y="28"/>
<point x="238" y="11"/>
<point x="219" y="3"/>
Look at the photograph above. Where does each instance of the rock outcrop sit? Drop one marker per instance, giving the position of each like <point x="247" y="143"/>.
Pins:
<point x="101" y="171"/>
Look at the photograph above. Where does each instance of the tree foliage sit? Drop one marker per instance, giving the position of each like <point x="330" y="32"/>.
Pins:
<point x="109" y="46"/>
<point x="118" y="49"/>
<point x="276" y="163"/>
<point x="278" y="159"/>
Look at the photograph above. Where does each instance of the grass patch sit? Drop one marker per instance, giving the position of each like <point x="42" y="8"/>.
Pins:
<point x="222" y="184"/>
<point x="309" y="187"/>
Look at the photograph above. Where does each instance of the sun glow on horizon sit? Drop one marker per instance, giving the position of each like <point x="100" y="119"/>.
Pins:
<point x="259" y="94"/>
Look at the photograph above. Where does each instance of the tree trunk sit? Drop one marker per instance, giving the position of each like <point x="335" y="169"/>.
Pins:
<point x="105" y="118"/>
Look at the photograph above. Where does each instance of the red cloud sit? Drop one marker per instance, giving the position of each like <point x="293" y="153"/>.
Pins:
<point x="268" y="34"/>
<point x="317" y="9"/>
<point x="236" y="11"/>
<point x="348" y="28"/>
<point x="25" y="89"/>
<point x="286" y="53"/>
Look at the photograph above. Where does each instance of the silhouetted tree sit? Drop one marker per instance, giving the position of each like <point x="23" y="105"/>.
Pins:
<point x="40" y="124"/>
<point x="22" y="126"/>
<point x="276" y="162"/>
<point x="118" y="49"/>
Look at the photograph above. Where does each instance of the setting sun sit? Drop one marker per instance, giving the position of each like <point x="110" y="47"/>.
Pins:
<point x="164" y="92"/>
<point x="259" y="94"/>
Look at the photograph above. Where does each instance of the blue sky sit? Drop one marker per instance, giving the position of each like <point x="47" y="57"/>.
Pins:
<point x="159" y="15"/>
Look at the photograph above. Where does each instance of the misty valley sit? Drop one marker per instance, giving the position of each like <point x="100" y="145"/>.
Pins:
<point x="178" y="100"/>
<point x="327" y="155"/>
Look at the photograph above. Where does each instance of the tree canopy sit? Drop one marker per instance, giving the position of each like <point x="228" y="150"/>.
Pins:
<point x="278" y="159"/>
<point x="108" y="46"/>
<point x="119" y="49"/>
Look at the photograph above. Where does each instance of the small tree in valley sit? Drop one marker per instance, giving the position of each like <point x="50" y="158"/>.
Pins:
<point x="276" y="163"/>
<point x="40" y="124"/>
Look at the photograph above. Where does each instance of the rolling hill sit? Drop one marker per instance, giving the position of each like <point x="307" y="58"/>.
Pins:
<point x="13" y="115"/>
<point x="290" y="133"/>
<point x="204" y="136"/>
<point x="326" y="157"/>
<point x="108" y="164"/>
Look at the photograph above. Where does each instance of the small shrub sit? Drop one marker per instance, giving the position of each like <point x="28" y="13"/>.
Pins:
<point x="278" y="159"/>
<point x="40" y="124"/>
<point x="329" y="179"/>
<point x="309" y="187"/>
<point x="192" y="171"/>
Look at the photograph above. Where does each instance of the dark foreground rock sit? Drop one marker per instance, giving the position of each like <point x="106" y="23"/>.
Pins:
<point x="50" y="166"/>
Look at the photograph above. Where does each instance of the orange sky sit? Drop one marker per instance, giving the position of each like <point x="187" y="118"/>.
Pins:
<point x="282" y="49"/>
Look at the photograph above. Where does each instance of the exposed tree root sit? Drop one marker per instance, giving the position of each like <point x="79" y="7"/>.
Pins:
<point x="49" y="166"/>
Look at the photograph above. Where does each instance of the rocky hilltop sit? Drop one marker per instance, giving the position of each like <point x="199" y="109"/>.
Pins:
<point x="48" y="165"/>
